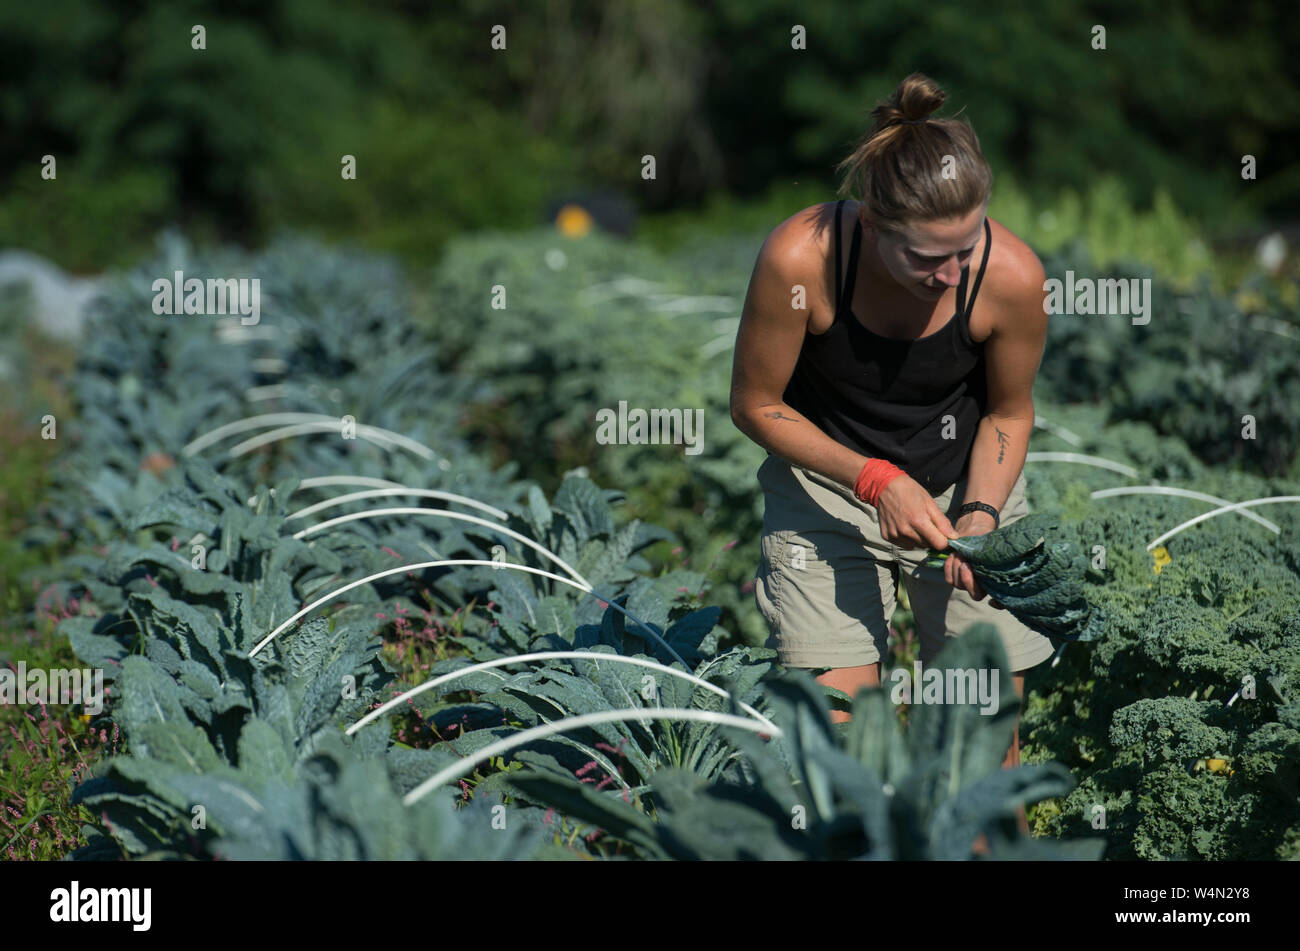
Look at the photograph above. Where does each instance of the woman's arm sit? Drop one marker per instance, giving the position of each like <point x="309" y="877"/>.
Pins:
<point x="1012" y="354"/>
<point x="772" y="328"/>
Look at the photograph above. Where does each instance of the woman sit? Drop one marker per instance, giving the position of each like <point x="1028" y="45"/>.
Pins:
<point x="892" y="391"/>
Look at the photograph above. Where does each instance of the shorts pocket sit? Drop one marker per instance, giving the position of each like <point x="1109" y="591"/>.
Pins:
<point x="774" y="549"/>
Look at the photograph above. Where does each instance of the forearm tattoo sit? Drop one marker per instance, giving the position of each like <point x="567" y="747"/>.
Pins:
<point x="777" y="414"/>
<point x="1003" y="441"/>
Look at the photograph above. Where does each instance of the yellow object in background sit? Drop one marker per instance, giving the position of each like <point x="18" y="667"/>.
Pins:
<point x="1213" y="765"/>
<point x="1161" y="555"/>
<point x="573" y="221"/>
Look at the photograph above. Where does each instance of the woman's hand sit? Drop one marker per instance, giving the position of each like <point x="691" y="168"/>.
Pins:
<point x="956" y="571"/>
<point x="910" y="519"/>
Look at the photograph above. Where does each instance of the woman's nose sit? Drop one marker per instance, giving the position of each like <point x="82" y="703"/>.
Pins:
<point x="950" y="273"/>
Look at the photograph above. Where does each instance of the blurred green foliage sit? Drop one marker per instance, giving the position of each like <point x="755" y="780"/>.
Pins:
<point x="243" y="138"/>
<point x="1100" y="217"/>
<point x="33" y="369"/>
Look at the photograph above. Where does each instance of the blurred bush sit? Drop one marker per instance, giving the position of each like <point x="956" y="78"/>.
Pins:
<point x="245" y="137"/>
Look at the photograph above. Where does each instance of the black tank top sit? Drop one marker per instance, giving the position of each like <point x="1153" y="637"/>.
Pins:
<point x="888" y="398"/>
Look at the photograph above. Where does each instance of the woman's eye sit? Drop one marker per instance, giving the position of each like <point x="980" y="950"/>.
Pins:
<point x="963" y="256"/>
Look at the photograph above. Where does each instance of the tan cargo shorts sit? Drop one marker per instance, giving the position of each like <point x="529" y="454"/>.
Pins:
<point x="827" y="579"/>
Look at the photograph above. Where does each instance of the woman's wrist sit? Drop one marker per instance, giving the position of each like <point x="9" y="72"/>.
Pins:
<point x="876" y="474"/>
<point x="975" y="523"/>
<point x="977" y="506"/>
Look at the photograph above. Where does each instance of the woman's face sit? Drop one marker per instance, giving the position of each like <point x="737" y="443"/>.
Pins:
<point x="926" y="257"/>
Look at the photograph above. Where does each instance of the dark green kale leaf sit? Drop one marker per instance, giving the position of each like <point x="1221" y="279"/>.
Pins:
<point x="1036" y="575"/>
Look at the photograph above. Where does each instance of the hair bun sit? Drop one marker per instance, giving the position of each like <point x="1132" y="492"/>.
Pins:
<point x="913" y="103"/>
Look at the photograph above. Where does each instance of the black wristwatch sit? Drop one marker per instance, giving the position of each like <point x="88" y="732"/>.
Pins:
<point x="979" y="507"/>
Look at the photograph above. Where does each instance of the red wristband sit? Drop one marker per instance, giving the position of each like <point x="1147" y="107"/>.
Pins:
<point x="873" y="478"/>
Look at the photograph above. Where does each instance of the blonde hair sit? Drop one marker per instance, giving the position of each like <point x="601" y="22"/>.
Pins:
<point x="896" y="168"/>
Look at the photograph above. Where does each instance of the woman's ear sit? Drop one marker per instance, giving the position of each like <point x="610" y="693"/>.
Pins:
<point x="868" y="230"/>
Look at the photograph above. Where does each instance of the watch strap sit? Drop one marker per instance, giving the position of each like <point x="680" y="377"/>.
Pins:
<point x="979" y="507"/>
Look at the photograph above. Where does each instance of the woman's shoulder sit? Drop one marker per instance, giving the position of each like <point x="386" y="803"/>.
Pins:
<point x="1014" y="270"/>
<point x="802" y="248"/>
<point x="811" y="229"/>
<point x="1012" y="282"/>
